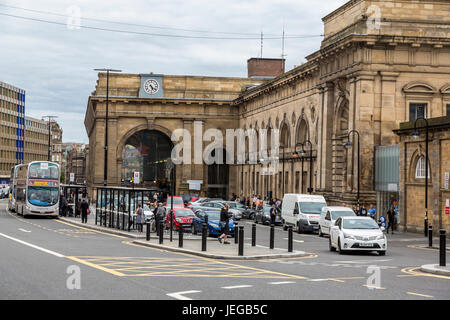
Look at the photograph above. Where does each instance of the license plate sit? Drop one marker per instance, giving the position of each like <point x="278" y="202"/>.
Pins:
<point x="366" y="244"/>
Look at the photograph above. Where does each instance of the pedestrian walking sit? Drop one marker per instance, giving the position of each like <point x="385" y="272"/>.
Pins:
<point x="140" y="220"/>
<point x="391" y="219"/>
<point x="225" y="217"/>
<point x="84" y="206"/>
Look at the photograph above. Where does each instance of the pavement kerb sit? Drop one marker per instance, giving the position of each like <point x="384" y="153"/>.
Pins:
<point x="435" y="269"/>
<point x="219" y="256"/>
<point x="124" y="233"/>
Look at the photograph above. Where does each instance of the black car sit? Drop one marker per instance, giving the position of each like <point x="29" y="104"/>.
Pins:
<point x="263" y="216"/>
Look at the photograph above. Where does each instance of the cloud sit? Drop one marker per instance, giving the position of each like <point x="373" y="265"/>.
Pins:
<point x="55" y="65"/>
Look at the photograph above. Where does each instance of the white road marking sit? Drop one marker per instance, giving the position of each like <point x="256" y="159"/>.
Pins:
<point x="317" y="280"/>
<point x="294" y="240"/>
<point x="180" y="295"/>
<point x="238" y="287"/>
<point x="24" y="230"/>
<point x="33" y="246"/>
<point x="362" y="261"/>
<point x="282" y="282"/>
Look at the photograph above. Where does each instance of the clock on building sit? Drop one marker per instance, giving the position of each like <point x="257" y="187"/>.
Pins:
<point x="151" y="86"/>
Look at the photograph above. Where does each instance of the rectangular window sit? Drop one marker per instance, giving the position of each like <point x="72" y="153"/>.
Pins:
<point x="448" y="110"/>
<point x="417" y="111"/>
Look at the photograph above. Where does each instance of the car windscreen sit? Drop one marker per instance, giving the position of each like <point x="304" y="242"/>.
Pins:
<point x="336" y="214"/>
<point x="311" y="207"/>
<point x="213" y="215"/>
<point x="360" y="224"/>
<point x="184" y="213"/>
<point x="43" y="197"/>
<point x="240" y="206"/>
<point x="175" y="201"/>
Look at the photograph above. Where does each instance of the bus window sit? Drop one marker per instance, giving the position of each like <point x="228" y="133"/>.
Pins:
<point x="43" y="171"/>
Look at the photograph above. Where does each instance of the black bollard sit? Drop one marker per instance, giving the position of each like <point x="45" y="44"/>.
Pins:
<point x="425" y="222"/>
<point x="123" y="221"/>
<point x="430" y="236"/>
<point x="290" y="239"/>
<point x="241" y="241"/>
<point x="206" y="219"/>
<point x="161" y="232"/>
<point x="236" y="233"/>
<point x="204" y="234"/>
<point x="253" y="234"/>
<point x="148" y="231"/>
<point x="442" y="248"/>
<point x="180" y="237"/>
<point x="272" y="236"/>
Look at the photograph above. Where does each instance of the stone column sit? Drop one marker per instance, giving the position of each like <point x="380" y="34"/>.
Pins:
<point x="326" y="132"/>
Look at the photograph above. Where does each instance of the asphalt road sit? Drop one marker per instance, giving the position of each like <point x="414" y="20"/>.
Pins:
<point x="45" y="258"/>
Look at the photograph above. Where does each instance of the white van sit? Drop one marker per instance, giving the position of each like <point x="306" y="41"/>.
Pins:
<point x="329" y="216"/>
<point x="302" y="211"/>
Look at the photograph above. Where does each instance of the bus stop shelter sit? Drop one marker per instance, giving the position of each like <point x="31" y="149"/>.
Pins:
<point x="116" y="206"/>
<point x="73" y="194"/>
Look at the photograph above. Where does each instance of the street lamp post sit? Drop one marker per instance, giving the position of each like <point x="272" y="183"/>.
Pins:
<point x="282" y="146"/>
<point x="296" y="155"/>
<point x="105" y="166"/>
<point x="49" y="133"/>
<point x="349" y="144"/>
<point x="415" y="134"/>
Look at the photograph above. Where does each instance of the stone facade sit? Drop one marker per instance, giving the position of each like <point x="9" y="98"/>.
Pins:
<point x="187" y="99"/>
<point x="412" y="185"/>
<point x="362" y="78"/>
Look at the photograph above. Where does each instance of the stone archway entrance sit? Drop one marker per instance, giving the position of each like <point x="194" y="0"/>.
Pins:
<point x="147" y="151"/>
<point x="218" y="176"/>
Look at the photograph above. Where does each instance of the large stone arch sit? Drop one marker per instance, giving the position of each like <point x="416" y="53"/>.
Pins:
<point x="157" y="130"/>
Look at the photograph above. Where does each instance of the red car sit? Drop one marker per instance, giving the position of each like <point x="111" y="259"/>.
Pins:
<point x="177" y="202"/>
<point x="181" y="217"/>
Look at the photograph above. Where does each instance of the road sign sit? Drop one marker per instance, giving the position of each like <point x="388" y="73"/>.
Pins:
<point x="72" y="177"/>
<point x="446" y="175"/>
<point x="136" y="177"/>
<point x="447" y="206"/>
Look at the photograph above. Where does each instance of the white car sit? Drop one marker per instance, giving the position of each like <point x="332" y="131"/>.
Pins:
<point x="329" y="216"/>
<point x="357" y="233"/>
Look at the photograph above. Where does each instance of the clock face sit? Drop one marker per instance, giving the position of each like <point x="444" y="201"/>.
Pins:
<point x="151" y="86"/>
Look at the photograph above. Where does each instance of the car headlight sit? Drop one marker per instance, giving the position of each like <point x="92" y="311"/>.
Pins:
<point x="349" y="236"/>
<point x="267" y="215"/>
<point x="380" y="237"/>
<point x="214" y="225"/>
<point x="178" y="220"/>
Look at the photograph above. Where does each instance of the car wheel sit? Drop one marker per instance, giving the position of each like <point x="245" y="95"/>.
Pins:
<point x="299" y="228"/>
<point x="382" y="253"/>
<point x="320" y="232"/>
<point x="330" y="246"/>
<point x="339" y="246"/>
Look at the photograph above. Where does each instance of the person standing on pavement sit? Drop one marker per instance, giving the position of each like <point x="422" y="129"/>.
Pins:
<point x="139" y="218"/>
<point x="225" y="216"/>
<point x="363" y="211"/>
<point x="273" y="214"/>
<point x="84" y="207"/>
<point x="372" y="212"/>
<point x="391" y="219"/>
<point x="160" y="214"/>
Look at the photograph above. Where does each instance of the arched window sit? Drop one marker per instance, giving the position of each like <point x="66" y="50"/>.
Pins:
<point x="302" y="131"/>
<point x="420" y="168"/>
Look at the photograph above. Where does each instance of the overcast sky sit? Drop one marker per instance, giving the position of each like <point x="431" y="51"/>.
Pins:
<point x="54" y="62"/>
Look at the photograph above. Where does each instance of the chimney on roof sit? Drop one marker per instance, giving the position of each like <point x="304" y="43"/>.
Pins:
<point x="265" y="67"/>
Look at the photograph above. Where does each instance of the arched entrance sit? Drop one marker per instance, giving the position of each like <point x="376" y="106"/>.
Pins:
<point x="148" y="152"/>
<point x="218" y="176"/>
